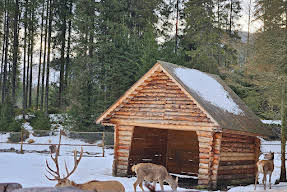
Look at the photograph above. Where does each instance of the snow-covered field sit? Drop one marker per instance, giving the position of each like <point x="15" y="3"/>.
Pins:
<point x="29" y="169"/>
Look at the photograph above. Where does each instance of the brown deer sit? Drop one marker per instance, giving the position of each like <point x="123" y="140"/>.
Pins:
<point x="265" y="167"/>
<point x="153" y="173"/>
<point x="94" y="185"/>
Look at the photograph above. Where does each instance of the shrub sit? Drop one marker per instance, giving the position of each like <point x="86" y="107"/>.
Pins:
<point x="16" y="137"/>
<point x="40" y="121"/>
<point x="7" y="118"/>
<point x="109" y="138"/>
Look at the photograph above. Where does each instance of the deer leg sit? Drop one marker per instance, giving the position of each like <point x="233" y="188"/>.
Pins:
<point x="264" y="178"/>
<point x="138" y="181"/>
<point x="256" y="180"/>
<point x="161" y="185"/>
<point x="141" y="186"/>
<point x="270" y="180"/>
<point x="154" y="184"/>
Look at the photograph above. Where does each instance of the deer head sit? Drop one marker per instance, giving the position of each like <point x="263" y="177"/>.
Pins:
<point x="64" y="181"/>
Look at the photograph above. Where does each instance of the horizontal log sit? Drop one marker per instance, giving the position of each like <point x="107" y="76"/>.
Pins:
<point x="123" y="158"/>
<point x="124" y="142"/>
<point x="180" y="119"/>
<point x="232" y="167"/>
<point x="203" y="171"/>
<point x="122" y="166"/>
<point x="236" y="145"/>
<point x="160" y="90"/>
<point x="166" y="124"/>
<point x="227" y="158"/>
<point x="236" y="171"/>
<point x="204" y="165"/>
<point x="204" y="150"/>
<point x="204" y="133"/>
<point x="236" y="140"/>
<point x="240" y="150"/>
<point x="123" y="150"/>
<point x="125" y="128"/>
<point x="203" y="182"/>
<point x="123" y="146"/>
<point x="239" y="162"/>
<point x="123" y="154"/>
<point x="204" y="156"/>
<point x="230" y="135"/>
<point x="125" y="163"/>
<point x="243" y="181"/>
<point x="168" y="115"/>
<point x="203" y="177"/>
<point x="205" y="145"/>
<point x="238" y="176"/>
<point x="236" y="154"/>
<point x="125" y="138"/>
<point x="125" y="133"/>
<point x="204" y="161"/>
<point x="160" y="94"/>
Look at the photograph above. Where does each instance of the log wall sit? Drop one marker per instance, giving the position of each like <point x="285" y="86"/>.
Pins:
<point x="159" y="101"/>
<point x="122" y="144"/>
<point x="239" y="154"/>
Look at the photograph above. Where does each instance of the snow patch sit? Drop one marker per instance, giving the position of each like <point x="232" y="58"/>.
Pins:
<point x="208" y="88"/>
<point x="270" y="122"/>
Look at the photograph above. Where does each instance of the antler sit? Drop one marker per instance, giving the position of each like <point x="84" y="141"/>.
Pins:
<point x="55" y="173"/>
<point x="76" y="163"/>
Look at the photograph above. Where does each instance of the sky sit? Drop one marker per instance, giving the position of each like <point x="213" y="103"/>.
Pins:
<point x="243" y="21"/>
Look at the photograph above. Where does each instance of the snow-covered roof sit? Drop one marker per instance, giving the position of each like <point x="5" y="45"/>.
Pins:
<point x="214" y="95"/>
<point x="208" y="88"/>
<point x="270" y="122"/>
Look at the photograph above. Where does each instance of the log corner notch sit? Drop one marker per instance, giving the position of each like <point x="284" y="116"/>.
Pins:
<point x="122" y="144"/>
<point x="209" y="158"/>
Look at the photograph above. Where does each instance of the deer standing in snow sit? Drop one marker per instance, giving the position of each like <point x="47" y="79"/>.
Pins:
<point x="265" y="167"/>
<point x="152" y="172"/>
<point x="94" y="185"/>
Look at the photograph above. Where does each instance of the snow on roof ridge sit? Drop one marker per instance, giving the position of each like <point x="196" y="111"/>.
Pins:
<point x="266" y="121"/>
<point x="212" y="91"/>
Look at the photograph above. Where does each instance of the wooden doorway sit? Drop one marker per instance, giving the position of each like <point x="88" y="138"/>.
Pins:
<point x="183" y="152"/>
<point x="148" y="146"/>
<point x="177" y="150"/>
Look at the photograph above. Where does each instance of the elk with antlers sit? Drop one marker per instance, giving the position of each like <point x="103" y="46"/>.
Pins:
<point x="265" y="167"/>
<point x="94" y="185"/>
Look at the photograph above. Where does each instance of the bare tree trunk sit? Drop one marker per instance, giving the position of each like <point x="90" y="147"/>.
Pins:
<point x="44" y="59"/>
<point x="24" y="62"/>
<point x="3" y="50"/>
<point x="28" y="66"/>
<point x="176" y="25"/>
<point x="68" y="47"/>
<point x="31" y="60"/>
<point x="63" y="38"/>
<point x="48" y="57"/>
<point x="249" y="21"/>
<point x="4" y="85"/>
<point x="15" y="51"/>
<point x="230" y="17"/>
<point x="40" y="56"/>
<point x="283" y="133"/>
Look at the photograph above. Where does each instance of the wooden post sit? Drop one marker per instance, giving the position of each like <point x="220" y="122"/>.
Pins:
<point x="103" y="143"/>
<point x="22" y="135"/>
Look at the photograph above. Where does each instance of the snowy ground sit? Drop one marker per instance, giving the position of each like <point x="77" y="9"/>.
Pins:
<point x="29" y="168"/>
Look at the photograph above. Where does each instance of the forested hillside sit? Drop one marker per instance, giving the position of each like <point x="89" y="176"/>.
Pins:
<point x="100" y="48"/>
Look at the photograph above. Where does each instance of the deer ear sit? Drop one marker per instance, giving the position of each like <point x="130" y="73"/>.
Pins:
<point x="176" y="180"/>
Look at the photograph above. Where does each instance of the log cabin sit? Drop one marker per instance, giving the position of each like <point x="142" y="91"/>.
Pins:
<point x="189" y="121"/>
